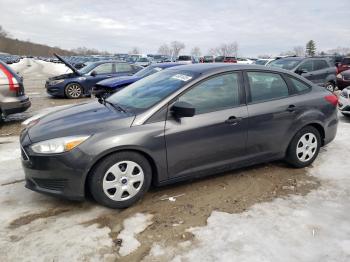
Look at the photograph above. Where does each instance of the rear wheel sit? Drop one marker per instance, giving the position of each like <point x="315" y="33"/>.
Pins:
<point x="73" y="91"/>
<point x="120" y="179"/>
<point x="330" y="86"/>
<point x="304" y="147"/>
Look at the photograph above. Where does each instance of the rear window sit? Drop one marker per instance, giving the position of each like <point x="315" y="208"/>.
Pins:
<point x="298" y="85"/>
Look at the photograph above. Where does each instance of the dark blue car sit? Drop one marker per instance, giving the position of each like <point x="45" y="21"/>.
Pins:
<point x="80" y="82"/>
<point x="108" y="86"/>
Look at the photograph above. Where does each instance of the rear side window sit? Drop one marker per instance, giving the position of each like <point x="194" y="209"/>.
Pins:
<point x="298" y="85"/>
<point x="266" y="86"/>
<point x="104" y="69"/>
<point x="320" y="64"/>
<point x="214" y="94"/>
<point x="306" y="66"/>
<point x="122" y="67"/>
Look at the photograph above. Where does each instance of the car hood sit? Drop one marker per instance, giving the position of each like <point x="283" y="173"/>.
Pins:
<point x="82" y="119"/>
<point x="64" y="76"/>
<point x="118" y="81"/>
<point x="75" y="71"/>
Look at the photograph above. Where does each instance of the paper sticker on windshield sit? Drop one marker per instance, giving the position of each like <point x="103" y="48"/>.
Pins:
<point x="181" y="77"/>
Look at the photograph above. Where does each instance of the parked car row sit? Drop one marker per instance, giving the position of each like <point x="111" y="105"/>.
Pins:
<point x="9" y="59"/>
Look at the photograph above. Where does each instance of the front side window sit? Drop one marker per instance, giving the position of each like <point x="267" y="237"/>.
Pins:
<point x="266" y="86"/>
<point x="106" y="68"/>
<point x="214" y="94"/>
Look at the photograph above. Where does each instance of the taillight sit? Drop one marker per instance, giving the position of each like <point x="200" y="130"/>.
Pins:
<point x="13" y="84"/>
<point x="332" y="99"/>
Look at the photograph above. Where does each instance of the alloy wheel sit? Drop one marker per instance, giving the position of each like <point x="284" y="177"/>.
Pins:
<point x="74" y="91"/>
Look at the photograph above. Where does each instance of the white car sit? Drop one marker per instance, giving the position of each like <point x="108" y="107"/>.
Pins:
<point x="244" y="61"/>
<point x="143" y="61"/>
<point x="344" y="102"/>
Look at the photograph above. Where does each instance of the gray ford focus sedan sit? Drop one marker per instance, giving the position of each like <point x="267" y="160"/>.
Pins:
<point x="183" y="122"/>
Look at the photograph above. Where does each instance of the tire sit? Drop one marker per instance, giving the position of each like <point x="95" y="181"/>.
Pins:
<point x="73" y="91"/>
<point x="110" y="181"/>
<point x="300" y="154"/>
<point x="330" y="86"/>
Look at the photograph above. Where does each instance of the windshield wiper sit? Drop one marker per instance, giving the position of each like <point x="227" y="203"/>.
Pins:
<point x="103" y="101"/>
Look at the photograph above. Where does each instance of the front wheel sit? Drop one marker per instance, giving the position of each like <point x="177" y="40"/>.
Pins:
<point x="73" y="91"/>
<point x="120" y="179"/>
<point x="304" y="147"/>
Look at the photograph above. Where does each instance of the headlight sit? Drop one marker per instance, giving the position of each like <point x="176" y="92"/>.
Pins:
<point x="58" y="145"/>
<point x="55" y="82"/>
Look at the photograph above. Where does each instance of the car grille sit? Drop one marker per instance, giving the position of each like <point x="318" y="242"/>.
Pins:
<point x="51" y="184"/>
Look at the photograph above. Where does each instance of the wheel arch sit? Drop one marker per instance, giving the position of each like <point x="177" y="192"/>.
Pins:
<point x="150" y="159"/>
<point x="73" y="82"/>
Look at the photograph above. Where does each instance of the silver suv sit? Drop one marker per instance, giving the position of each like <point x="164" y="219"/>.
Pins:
<point x="12" y="97"/>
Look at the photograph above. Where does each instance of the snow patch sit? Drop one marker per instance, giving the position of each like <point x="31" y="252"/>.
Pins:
<point x="315" y="227"/>
<point x="132" y="226"/>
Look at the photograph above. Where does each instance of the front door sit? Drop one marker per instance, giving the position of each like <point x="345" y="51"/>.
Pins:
<point x="215" y="137"/>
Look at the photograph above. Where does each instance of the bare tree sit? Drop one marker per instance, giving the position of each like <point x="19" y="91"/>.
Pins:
<point x="230" y="49"/>
<point x="196" y="51"/>
<point x="135" y="50"/>
<point x="176" y="47"/>
<point x="299" y="50"/>
<point x="3" y="33"/>
<point x="339" y="51"/>
<point x="164" y="49"/>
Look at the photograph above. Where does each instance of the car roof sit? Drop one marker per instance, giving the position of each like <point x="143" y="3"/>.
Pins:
<point x="212" y="67"/>
<point x="168" y="64"/>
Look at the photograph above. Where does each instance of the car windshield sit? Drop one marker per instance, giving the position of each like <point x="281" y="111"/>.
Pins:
<point x="285" y="63"/>
<point x="148" y="71"/>
<point x="149" y="91"/>
<point x="87" y="68"/>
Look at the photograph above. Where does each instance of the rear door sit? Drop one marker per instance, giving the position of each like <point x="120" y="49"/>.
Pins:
<point x="270" y="111"/>
<point x="215" y="138"/>
<point x="321" y="71"/>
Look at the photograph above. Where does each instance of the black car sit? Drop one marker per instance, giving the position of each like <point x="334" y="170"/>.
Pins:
<point x="184" y="122"/>
<point x="319" y="70"/>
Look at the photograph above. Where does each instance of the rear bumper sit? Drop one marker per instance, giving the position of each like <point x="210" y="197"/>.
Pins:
<point x="15" y="105"/>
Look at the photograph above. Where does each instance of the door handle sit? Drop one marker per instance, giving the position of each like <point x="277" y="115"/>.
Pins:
<point x="291" y="108"/>
<point x="232" y="120"/>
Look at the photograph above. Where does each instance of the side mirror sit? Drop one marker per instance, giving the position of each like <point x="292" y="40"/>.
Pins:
<point x="93" y="73"/>
<point x="183" y="109"/>
<point x="301" y="71"/>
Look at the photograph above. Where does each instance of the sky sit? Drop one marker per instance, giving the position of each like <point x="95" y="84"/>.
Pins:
<point x="258" y="26"/>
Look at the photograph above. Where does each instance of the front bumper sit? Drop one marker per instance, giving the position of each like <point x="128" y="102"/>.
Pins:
<point x="61" y="175"/>
<point x="56" y="90"/>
